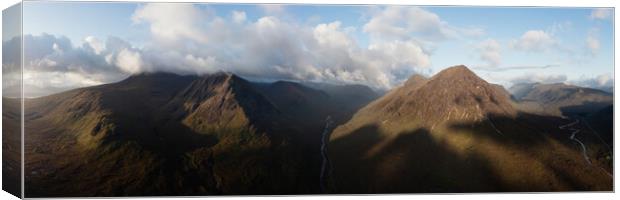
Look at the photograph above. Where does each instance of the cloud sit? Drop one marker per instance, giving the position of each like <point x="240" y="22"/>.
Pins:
<point x="238" y="16"/>
<point x="404" y="22"/>
<point x="509" y="68"/>
<point x="272" y="9"/>
<point x="275" y="49"/>
<point x="171" y="22"/>
<point x="601" y="13"/>
<point x="539" y="78"/>
<point x="603" y="82"/>
<point x="129" y="61"/>
<point x="95" y="44"/>
<point x="49" y="59"/>
<point x="195" y="41"/>
<point x="38" y="83"/>
<point x="535" y="41"/>
<point x="593" y="44"/>
<point x="11" y="67"/>
<point x="490" y="52"/>
<point x="560" y="27"/>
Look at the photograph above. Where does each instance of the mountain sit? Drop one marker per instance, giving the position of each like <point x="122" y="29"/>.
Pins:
<point x="223" y="101"/>
<point x="167" y="134"/>
<point x="602" y="122"/>
<point x="345" y="98"/>
<point x="455" y="94"/>
<point x="559" y="99"/>
<point x="454" y="132"/>
<point x="11" y="146"/>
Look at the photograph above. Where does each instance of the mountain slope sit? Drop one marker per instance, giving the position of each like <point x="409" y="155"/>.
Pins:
<point x="602" y="122"/>
<point x="166" y="134"/>
<point x="453" y="95"/>
<point x="456" y="133"/>
<point x="11" y="146"/>
<point x="560" y="99"/>
<point x="223" y="101"/>
<point x="163" y="134"/>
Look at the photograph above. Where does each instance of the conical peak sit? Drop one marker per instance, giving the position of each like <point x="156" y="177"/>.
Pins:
<point x="456" y="71"/>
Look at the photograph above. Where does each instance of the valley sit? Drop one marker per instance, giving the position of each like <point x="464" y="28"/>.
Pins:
<point x="161" y="134"/>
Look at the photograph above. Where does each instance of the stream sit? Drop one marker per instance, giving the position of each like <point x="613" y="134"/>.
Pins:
<point x="325" y="162"/>
<point x="574" y="132"/>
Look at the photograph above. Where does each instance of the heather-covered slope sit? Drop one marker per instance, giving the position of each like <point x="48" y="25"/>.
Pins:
<point x="457" y="133"/>
<point x="165" y="134"/>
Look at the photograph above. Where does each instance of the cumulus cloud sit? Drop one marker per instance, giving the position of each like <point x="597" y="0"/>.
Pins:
<point x="603" y="82"/>
<point x="129" y="61"/>
<point x="195" y="41"/>
<point x="490" y="52"/>
<point x="171" y="22"/>
<point x="272" y="48"/>
<point x="534" y="40"/>
<point x="601" y="13"/>
<point x="404" y="22"/>
<point x="53" y="64"/>
<point x="238" y="16"/>
<point x="95" y="44"/>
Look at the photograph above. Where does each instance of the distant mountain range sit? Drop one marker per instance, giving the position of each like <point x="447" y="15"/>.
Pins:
<point x="220" y="134"/>
<point x="560" y="99"/>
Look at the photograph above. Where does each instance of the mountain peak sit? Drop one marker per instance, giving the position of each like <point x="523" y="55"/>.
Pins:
<point x="222" y="76"/>
<point x="223" y="100"/>
<point x="456" y="72"/>
<point x="454" y="94"/>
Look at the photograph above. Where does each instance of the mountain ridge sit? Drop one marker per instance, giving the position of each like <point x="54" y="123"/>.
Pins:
<point x="178" y="134"/>
<point x="457" y="132"/>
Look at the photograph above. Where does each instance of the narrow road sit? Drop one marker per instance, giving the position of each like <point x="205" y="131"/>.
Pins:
<point x="573" y="137"/>
<point x="324" y="139"/>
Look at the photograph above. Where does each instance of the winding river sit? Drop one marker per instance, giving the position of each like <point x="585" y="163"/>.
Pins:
<point x="574" y="132"/>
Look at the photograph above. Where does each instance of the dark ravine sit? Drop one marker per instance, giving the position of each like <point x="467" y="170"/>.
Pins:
<point x="324" y="155"/>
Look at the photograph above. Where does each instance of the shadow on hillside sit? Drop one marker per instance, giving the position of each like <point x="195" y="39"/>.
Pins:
<point x="11" y="142"/>
<point x="584" y="109"/>
<point x="524" y="131"/>
<point x="536" y="137"/>
<point x="602" y="122"/>
<point x="413" y="162"/>
<point x="544" y="158"/>
<point x="145" y="122"/>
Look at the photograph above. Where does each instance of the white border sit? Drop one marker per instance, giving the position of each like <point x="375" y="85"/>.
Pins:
<point x="490" y="196"/>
